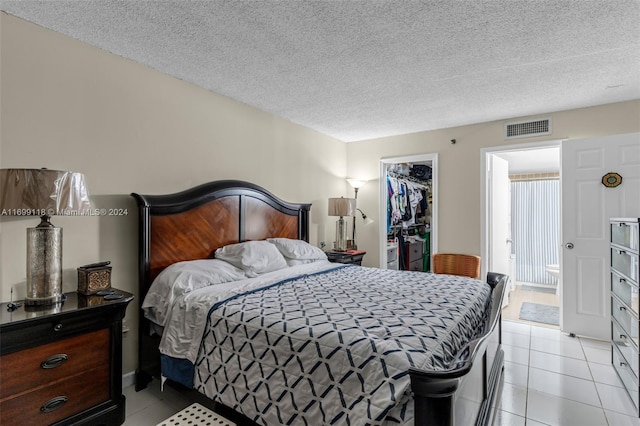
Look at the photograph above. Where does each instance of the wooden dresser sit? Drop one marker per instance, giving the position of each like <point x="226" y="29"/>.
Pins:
<point x="62" y="364"/>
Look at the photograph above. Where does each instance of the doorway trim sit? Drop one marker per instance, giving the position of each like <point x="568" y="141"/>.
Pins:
<point x="382" y="230"/>
<point x="485" y="214"/>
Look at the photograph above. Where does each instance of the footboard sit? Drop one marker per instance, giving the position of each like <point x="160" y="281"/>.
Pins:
<point x="466" y="394"/>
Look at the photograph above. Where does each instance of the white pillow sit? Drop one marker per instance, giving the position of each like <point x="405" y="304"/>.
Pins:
<point x="297" y="249"/>
<point x="254" y="257"/>
<point x="185" y="277"/>
<point x="296" y="262"/>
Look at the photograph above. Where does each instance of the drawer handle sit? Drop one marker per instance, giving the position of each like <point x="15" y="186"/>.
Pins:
<point x="622" y="252"/>
<point x="54" y="361"/>
<point x="53" y="404"/>
<point x="622" y="308"/>
<point x="623" y="364"/>
<point x="623" y="337"/>
<point x="57" y="327"/>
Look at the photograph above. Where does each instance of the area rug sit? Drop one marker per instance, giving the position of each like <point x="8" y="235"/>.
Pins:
<point x="550" y="290"/>
<point x="540" y="313"/>
<point x="195" y="415"/>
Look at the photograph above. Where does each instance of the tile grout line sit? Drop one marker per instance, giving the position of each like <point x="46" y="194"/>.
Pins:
<point x="594" y="381"/>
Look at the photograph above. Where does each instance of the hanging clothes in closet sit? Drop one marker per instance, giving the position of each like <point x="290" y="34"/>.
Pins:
<point x="407" y="202"/>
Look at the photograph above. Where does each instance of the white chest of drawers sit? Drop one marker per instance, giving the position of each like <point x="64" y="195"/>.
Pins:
<point x="625" y="309"/>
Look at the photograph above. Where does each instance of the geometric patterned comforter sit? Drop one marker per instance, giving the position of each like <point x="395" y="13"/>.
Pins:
<point x="335" y="347"/>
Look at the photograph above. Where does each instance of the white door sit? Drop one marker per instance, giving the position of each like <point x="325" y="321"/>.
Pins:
<point x="500" y="218"/>
<point x="587" y="206"/>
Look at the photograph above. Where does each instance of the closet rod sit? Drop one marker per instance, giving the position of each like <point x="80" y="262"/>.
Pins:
<point x="398" y="176"/>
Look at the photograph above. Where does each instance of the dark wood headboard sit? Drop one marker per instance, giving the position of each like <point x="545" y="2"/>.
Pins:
<point x="192" y="224"/>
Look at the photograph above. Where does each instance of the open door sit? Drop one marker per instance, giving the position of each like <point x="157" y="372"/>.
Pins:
<point x="499" y="219"/>
<point x="587" y="206"/>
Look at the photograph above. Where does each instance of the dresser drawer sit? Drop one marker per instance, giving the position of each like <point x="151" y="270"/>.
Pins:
<point x="624" y="262"/>
<point x="628" y="293"/>
<point x="392" y="251"/>
<point x="626" y="376"/>
<point x="31" y="368"/>
<point x="51" y="328"/>
<point x="415" y="266"/>
<point x="625" y="319"/>
<point x="625" y="234"/>
<point x="623" y="344"/>
<point x="81" y="391"/>
<point x="414" y="252"/>
<point x="392" y="256"/>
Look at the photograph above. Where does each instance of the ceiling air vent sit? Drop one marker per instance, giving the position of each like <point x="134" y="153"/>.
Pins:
<point x="527" y="129"/>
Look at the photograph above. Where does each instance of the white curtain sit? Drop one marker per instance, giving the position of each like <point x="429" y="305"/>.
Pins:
<point x="535" y="219"/>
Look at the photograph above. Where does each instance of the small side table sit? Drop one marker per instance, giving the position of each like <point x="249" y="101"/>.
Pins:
<point x="349" y="256"/>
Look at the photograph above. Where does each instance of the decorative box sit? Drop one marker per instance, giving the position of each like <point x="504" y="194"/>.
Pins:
<point x="94" y="277"/>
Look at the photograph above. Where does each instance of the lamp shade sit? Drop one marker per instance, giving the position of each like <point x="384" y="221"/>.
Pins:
<point x="342" y="206"/>
<point x="42" y="192"/>
<point x="356" y="183"/>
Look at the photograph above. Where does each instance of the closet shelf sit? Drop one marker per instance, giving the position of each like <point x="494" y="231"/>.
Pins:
<point x="395" y="175"/>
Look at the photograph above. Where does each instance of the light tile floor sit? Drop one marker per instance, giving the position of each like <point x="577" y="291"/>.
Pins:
<point x="151" y="406"/>
<point x="553" y="379"/>
<point x="549" y="379"/>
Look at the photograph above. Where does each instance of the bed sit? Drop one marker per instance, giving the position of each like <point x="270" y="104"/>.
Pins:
<point x="434" y="341"/>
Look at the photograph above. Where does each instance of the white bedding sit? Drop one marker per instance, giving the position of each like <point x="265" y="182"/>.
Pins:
<point x="187" y="313"/>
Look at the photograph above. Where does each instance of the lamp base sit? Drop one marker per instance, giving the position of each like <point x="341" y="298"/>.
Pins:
<point x="44" y="301"/>
<point x="341" y="235"/>
<point x="44" y="266"/>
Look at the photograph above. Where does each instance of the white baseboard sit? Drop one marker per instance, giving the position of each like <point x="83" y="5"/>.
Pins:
<point x="128" y="379"/>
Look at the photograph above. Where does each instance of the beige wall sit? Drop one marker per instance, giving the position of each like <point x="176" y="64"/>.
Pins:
<point x="66" y="105"/>
<point x="459" y="167"/>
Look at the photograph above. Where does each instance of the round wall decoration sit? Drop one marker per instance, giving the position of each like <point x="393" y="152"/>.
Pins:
<point x="611" y="180"/>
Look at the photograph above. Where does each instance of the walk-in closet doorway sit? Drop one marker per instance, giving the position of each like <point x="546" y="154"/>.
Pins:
<point x="397" y="163"/>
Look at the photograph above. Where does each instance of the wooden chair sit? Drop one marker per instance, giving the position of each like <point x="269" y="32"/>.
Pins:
<point x="456" y="264"/>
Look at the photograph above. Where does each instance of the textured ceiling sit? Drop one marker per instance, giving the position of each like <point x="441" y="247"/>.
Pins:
<point x="364" y="69"/>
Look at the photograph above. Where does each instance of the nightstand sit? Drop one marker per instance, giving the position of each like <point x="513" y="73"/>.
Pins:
<point x="62" y="364"/>
<point x="349" y="256"/>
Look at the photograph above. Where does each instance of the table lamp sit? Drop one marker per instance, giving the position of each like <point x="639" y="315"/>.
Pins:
<point x="341" y="207"/>
<point x="44" y="193"/>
